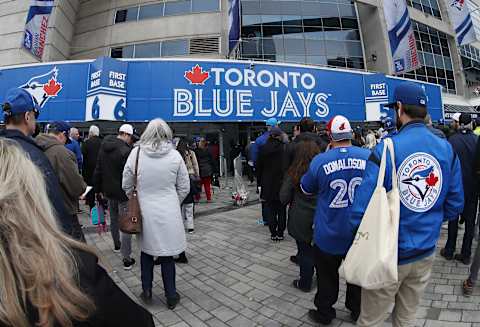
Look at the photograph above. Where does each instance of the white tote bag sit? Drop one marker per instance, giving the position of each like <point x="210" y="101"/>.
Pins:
<point x="371" y="261"/>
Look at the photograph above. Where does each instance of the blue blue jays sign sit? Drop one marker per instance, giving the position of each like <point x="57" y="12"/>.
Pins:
<point x="203" y="90"/>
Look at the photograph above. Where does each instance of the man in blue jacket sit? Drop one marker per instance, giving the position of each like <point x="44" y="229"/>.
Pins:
<point x="429" y="182"/>
<point x="333" y="176"/>
<point x="21" y="112"/>
<point x="73" y="145"/>
<point x="464" y="143"/>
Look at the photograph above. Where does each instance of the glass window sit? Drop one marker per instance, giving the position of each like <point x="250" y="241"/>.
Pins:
<point x="205" y="5"/>
<point x="295" y="59"/>
<point x="120" y="17"/>
<point x="354" y="49"/>
<point x="147" y="50"/>
<point x="272" y="30"/>
<point x="317" y="60"/>
<point x="333" y="22"/>
<point x="293" y="32"/>
<point x="349" y="23"/>
<point x="356" y="63"/>
<point x="128" y="51"/>
<point x="126" y="15"/>
<point x="270" y="7"/>
<point x="116" y="52"/>
<point x="335" y="48"/>
<point x="250" y="7"/>
<point x="347" y="11"/>
<point x="178" y="7"/>
<point x="315" y="47"/>
<point x="251" y="20"/>
<point x="294" y="46"/>
<point x="273" y="45"/>
<point x="174" y="48"/>
<point x="151" y="11"/>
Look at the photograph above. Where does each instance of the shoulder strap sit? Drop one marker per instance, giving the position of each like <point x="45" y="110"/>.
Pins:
<point x="389" y="144"/>
<point x="136" y="170"/>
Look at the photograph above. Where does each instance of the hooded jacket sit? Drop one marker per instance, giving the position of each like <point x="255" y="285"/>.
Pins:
<point x="65" y="166"/>
<point x="162" y="185"/>
<point x="271" y="168"/>
<point x="90" y="149"/>
<point x="41" y="161"/>
<point x="205" y="162"/>
<point x="107" y="177"/>
<point x="430" y="186"/>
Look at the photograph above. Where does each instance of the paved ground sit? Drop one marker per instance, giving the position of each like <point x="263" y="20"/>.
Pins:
<point x="237" y="277"/>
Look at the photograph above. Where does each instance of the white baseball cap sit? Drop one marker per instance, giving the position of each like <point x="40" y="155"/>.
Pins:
<point x="456" y="116"/>
<point x="339" y="128"/>
<point x="127" y="129"/>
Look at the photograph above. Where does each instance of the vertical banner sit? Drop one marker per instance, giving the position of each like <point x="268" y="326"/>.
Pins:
<point x="36" y="27"/>
<point x="233" y="24"/>
<point x="106" y="90"/>
<point x="402" y="38"/>
<point x="459" y="14"/>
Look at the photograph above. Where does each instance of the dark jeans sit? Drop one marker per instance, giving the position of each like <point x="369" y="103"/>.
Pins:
<point x="77" y="232"/>
<point x="469" y="214"/>
<point x="168" y="273"/>
<point x="276" y="217"/>
<point x="327" y="289"/>
<point x="305" y="261"/>
<point x="250" y="173"/>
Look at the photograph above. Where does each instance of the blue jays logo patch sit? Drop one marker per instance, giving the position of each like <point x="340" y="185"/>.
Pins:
<point x="420" y="181"/>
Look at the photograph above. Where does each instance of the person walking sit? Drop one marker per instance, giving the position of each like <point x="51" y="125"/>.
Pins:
<point x="107" y="181"/>
<point x="206" y="167"/>
<point x="270" y="172"/>
<point x="301" y="211"/>
<point x="333" y="177"/>
<point x="20" y="115"/>
<point x="48" y="278"/>
<point x="431" y="128"/>
<point x="464" y="144"/>
<point x="162" y="185"/>
<point x="65" y="167"/>
<point x="74" y="146"/>
<point x="90" y="149"/>
<point x="430" y="189"/>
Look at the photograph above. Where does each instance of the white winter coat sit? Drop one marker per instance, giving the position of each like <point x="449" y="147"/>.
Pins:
<point x="163" y="184"/>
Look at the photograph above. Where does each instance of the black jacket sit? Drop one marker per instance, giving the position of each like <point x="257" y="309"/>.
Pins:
<point x="205" y="162"/>
<point x="113" y="307"/>
<point x="41" y="161"/>
<point x="306" y="136"/>
<point x="270" y="169"/>
<point x="90" y="149"/>
<point x="108" y="174"/>
<point x="464" y="143"/>
<point x="300" y="212"/>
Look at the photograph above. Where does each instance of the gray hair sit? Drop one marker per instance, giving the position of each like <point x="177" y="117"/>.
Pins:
<point x="156" y="133"/>
<point x="73" y="131"/>
<point x="93" y="131"/>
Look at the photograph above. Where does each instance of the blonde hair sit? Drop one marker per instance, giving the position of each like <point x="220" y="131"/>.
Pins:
<point x="37" y="266"/>
<point x="370" y="140"/>
<point x="157" y="133"/>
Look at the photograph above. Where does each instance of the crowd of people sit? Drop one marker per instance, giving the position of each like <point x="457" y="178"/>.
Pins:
<point x="316" y="185"/>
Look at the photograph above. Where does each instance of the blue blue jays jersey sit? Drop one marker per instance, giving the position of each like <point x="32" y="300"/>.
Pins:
<point x="429" y="181"/>
<point x="334" y="176"/>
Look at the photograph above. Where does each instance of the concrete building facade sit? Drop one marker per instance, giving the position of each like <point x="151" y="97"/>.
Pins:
<point x="338" y="33"/>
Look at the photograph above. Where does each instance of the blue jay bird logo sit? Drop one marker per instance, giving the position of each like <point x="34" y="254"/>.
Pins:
<point x="43" y="87"/>
<point x="419" y="181"/>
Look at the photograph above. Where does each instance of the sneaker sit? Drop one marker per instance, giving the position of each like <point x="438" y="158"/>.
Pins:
<point x="128" y="263"/>
<point x="173" y="301"/>
<point x="280" y="238"/>
<point x="182" y="258"/>
<point x="146" y="296"/>
<point x="448" y="256"/>
<point x="467" y="287"/>
<point x="316" y="317"/>
<point x="462" y="259"/>
<point x="116" y="249"/>
<point x="354" y="316"/>
<point x="296" y="284"/>
<point x="190" y="231"/>
<point x="294" y="259"/>
<point x="273" y="238"/>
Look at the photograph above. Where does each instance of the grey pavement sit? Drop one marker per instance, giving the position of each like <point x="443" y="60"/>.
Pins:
<point x="237" y="277"/>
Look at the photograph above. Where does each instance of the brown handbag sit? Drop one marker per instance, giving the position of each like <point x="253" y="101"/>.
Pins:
<point x="131" y="219"/>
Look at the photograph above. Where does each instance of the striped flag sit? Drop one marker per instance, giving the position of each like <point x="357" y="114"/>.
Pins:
<point x="401" y="36"/>
<point x="459" y="13"/>
<point x="233" y="24"/>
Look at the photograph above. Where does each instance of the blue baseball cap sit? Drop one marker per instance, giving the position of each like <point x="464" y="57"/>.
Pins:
<point x="272" y="122"/>
<point x="60" y="126"/>
<point x="409" y="93"/>
<point x="388" y="124"/>
<point x="19" y="101"/>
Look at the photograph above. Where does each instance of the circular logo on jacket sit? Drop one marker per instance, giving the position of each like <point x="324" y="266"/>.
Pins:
<point x="419" y="181"/>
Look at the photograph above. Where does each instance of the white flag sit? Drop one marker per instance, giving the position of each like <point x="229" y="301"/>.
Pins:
<point x="402" y="38"/>
<point x="459" y="14"/>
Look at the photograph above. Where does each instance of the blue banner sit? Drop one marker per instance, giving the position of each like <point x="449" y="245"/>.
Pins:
<point x="233" y="24"/>
<point x="204" y="90"/>
<point x="36" y="27"/>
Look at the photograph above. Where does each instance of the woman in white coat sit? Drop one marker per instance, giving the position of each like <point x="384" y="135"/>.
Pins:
<point x="163" y="183"/>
